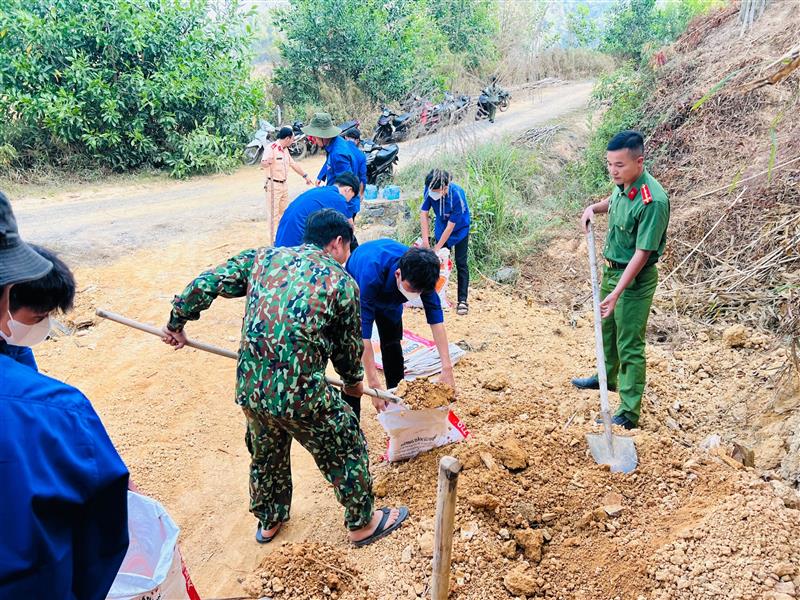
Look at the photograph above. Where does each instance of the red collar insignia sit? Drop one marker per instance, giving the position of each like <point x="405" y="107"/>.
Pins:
<point x="632" y="193"/>
<point x="647" y="197"/>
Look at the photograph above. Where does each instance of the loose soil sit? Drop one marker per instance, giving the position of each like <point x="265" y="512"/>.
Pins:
<point x="422" y="393"/>
<point x="531" y="518"/>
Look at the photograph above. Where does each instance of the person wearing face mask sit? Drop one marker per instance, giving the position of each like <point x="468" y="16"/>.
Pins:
<point x="31" y="304"/>
<point x="301" y="310"/>
<point x="277" y="161"/>
<point x="449" y="204"/>
<point x="64" y="507"/>
<point x="390" y="274"/>
<point x="638" y="216"/>
<point x="338" y="197"/>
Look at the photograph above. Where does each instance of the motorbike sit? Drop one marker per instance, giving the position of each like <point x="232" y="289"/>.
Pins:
<point x="300" y="143"/>
<point x="255" y="149"/>
<point x="461" y="106"/>
<point x="348" y="126"/>
<point x="505" y="100"/>
<point x="392" y="127"/>
<point x="380" y="161"/>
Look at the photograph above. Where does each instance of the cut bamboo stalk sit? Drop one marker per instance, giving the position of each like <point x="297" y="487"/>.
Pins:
<point x="449" y="468"/>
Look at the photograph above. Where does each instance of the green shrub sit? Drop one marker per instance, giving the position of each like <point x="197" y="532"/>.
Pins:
<point x="126" y="83"/>
<point x="508" y="220"/>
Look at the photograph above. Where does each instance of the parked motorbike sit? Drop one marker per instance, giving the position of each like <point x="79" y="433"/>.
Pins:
<point x="347" y="126"/>
<point x="300" y="144"/>
<point x="461" y="106"/>
<point x="505" y="100"/>
<point x="392" y="127"/>
<point x="380" y="161"/>
<point x="255" y="149"/>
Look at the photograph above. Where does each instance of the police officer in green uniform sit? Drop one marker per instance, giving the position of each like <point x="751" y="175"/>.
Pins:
<point x="638" y="214"/>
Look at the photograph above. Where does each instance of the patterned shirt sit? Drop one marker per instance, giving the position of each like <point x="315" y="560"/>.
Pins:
<point x="301" y="310"/>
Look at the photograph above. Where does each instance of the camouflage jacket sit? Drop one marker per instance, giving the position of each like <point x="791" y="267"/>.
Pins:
<point x="301" y="309"/>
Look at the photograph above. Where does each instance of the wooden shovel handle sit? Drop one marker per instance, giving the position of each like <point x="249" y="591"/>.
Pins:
<point x="382" y="394"/>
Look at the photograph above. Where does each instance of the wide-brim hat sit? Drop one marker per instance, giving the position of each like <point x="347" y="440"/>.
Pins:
<point x="18" y="261"/>
<point x="322" y="126"/>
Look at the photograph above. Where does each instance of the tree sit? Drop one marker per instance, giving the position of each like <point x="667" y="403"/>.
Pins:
<point x="635" y="27"/>
<point x="582" y="29"/>
<point x="385" y="48"/>
<point x="126" y="83"/>
<point x="469" y="26"/>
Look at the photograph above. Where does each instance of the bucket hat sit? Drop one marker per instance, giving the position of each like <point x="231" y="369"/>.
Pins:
<point x="322" y="126"/>
<point x="18" y="261"/>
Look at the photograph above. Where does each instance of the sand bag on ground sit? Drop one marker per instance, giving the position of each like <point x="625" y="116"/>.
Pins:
<point x="426" y="422"/>
<point x="153" y="568"/>
<point x="419" y="354"/>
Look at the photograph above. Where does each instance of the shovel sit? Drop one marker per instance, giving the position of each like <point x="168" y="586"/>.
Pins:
<point x="383" y="395"/>
<point x="616" y="451"/>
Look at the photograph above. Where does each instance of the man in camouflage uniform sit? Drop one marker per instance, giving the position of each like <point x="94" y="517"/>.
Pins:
<point x="638" y="215"/>
<point x="301" y="310"/>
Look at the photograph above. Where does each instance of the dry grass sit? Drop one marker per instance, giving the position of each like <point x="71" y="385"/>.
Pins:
<point x="732" y="167"/>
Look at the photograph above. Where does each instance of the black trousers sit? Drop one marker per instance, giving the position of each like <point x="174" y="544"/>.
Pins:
<point x="461" y="254"/>
<point x="391" y="334"/>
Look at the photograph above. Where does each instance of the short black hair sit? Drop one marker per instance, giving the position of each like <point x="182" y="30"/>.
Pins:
<point x="420" y="267"/>
<point x="46" y="294"/>
<point x="353" y="133"/>
<point x="437" y="179"/>
<point x="632" y="140"/>
<point x="324" y="226"/>
<point x="285" y="132"/>
<point x="348" y="179"/>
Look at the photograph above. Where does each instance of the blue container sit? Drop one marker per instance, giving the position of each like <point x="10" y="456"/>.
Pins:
<point x="370" y="192"/>
<point x="391" y="192"/>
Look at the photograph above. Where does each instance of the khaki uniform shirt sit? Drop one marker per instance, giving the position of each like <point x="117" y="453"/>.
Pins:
<point x="280" y="159"/>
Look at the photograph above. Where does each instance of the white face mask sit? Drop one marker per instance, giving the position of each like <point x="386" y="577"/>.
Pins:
<point x="409" y="295"/>
<point x="26" y="335"/>
<point x="434" y="195"/>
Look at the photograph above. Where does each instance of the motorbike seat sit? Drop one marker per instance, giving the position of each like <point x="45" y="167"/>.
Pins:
<point x="401" y="119"/>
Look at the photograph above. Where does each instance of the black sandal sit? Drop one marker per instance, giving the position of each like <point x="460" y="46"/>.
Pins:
<point x="382" y="531"/>
<point x="263" y="539"/>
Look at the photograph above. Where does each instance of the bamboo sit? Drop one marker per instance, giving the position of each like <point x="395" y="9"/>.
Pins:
<point x="449" y="468"/>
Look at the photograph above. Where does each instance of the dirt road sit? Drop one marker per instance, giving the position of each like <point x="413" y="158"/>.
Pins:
<point x="94" y="224"/>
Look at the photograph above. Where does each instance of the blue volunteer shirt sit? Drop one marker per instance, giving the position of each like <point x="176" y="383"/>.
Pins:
<point x="293" y="222"/>
<point x="450" y="208"/>
<point x="63" y="509"/>
<point x="373" y="265"/>
<point x="22" y="354"/>
<point x="340" y="160"/>
<point x="361" y="173"/>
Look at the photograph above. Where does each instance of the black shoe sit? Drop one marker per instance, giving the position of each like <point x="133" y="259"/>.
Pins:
<point x="590" y="383"/>
<point x="618" y="420"/>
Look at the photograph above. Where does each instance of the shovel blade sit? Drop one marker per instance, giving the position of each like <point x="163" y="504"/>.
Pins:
<point x="620" y="455"/>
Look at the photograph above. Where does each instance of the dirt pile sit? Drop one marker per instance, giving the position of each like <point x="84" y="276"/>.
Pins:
<point x="422" y="393"/>
<point x="307" y="572"/>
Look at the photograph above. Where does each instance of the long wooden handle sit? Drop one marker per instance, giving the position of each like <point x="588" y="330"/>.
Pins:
<point x="382" y="394"/>
<point x="602" y="376"/>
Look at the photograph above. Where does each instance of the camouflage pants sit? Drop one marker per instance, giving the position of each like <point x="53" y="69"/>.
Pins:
<point x="332" y="435"/>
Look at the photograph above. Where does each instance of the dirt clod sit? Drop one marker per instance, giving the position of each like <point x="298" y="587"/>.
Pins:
<point x="520" y="581"/>
<point x="421" y="393"/>
<point x="496" y="383"/>
<point x="512" y="455"/>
